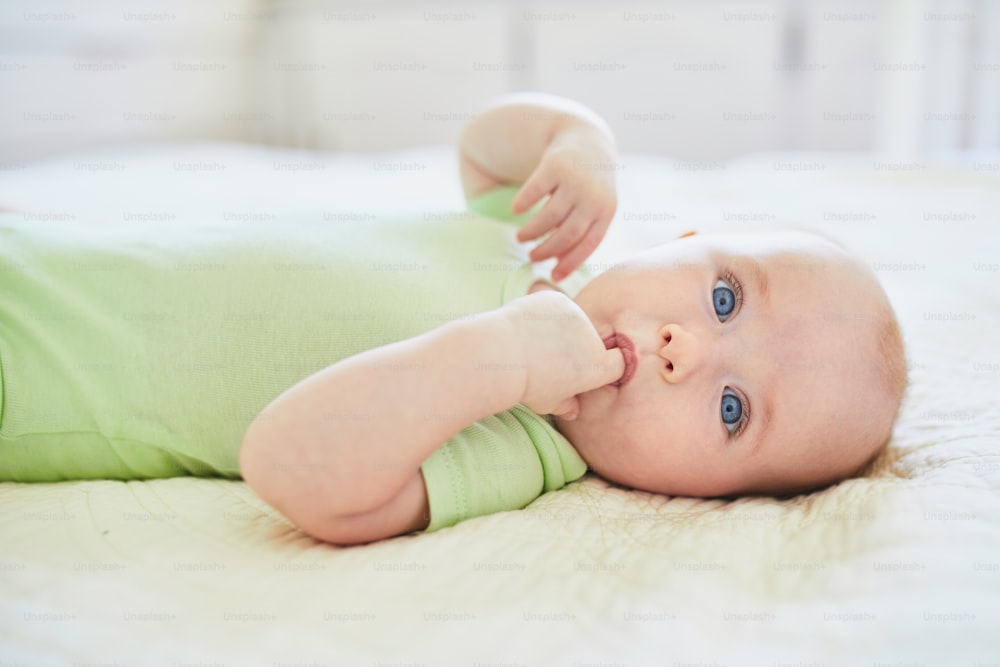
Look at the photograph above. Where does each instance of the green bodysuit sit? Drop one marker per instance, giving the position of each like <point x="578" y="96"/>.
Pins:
<point x="145" y="350"/>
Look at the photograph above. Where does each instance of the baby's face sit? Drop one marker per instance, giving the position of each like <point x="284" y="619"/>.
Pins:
<point x="754" y="358"/>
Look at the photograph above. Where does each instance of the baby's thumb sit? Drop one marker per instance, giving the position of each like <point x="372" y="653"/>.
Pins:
<point x="614" y="364"/>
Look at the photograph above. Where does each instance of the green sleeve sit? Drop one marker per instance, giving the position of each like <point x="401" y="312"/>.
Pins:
<point x="496" y="204"/>
<point x="499" y="463"/>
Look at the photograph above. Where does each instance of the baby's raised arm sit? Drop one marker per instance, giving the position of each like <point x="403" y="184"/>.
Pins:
<point x="553" y="146"/>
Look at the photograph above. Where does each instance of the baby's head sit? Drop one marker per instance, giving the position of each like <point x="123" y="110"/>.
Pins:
<point x="766" y="362"/>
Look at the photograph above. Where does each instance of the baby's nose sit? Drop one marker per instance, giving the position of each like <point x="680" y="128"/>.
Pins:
<point x="681" y="351"/>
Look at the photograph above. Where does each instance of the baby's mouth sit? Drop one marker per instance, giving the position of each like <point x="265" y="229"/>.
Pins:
<point x="623" y="343"/>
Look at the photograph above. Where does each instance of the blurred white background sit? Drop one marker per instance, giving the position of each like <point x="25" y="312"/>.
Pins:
<point x="692" y="80"/>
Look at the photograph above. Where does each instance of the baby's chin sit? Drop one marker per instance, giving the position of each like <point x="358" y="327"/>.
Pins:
<point x="580" y="436"/>
<point x="568" y="428"/>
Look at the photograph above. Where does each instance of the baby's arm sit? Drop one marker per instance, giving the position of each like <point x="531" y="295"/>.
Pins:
<point x="357" y="478"/>
<point x="553" y="146"/>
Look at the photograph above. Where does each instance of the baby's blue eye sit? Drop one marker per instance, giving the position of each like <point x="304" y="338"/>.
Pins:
<point x="732" y="410"/>
<point x="724" y="300"/>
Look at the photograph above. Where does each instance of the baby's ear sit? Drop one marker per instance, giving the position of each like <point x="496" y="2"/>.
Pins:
<point x="687" y="234"/>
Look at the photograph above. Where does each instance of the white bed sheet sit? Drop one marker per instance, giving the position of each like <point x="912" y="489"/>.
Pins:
<point x="900" y="567"/>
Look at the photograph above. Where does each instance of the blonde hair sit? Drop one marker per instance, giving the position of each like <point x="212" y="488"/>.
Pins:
<point x="894" y="378"/>
<point x="891" y="359"/>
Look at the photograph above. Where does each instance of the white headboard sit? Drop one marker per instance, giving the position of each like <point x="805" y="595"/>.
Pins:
<point x="695" y="80"/>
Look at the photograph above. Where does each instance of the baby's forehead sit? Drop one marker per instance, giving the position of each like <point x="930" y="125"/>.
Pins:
<point x="788" y="243"/>
<point x="785" y="255"/>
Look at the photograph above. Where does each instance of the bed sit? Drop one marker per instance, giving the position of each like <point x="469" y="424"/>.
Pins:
<point x="899" y="567"/>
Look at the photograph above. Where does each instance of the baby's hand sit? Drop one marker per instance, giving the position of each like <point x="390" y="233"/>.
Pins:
<point x="578" y="171"/>
<point x="561" y="352"/>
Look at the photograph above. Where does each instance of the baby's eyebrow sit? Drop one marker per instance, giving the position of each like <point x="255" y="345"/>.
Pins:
<point x="762" y="419"/>
<point x="760" y="279"/>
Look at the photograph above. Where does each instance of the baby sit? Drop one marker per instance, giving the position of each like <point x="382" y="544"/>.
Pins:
<point x="714" y="365"/>
<point x="398" y="375"/>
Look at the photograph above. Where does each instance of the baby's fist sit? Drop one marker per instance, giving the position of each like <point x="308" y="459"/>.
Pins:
<point x="561" y="352"/>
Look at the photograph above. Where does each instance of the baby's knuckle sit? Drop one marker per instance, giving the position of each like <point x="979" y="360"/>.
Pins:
<point x="551" y="218"/>
<point x="561" y="162"/>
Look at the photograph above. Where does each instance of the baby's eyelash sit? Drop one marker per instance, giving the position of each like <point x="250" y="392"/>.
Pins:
<point x="744" y="421"/>
<point x="731" y="278"/>
<point x="733" y="281"/>
<point x="744" y="418"/>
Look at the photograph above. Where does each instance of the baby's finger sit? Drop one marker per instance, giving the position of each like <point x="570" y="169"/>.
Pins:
<point x="568" y="235"/>
<point x="578" y="254"/>
<point x="552" y="214"/>
<point x="537" y="186"/>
